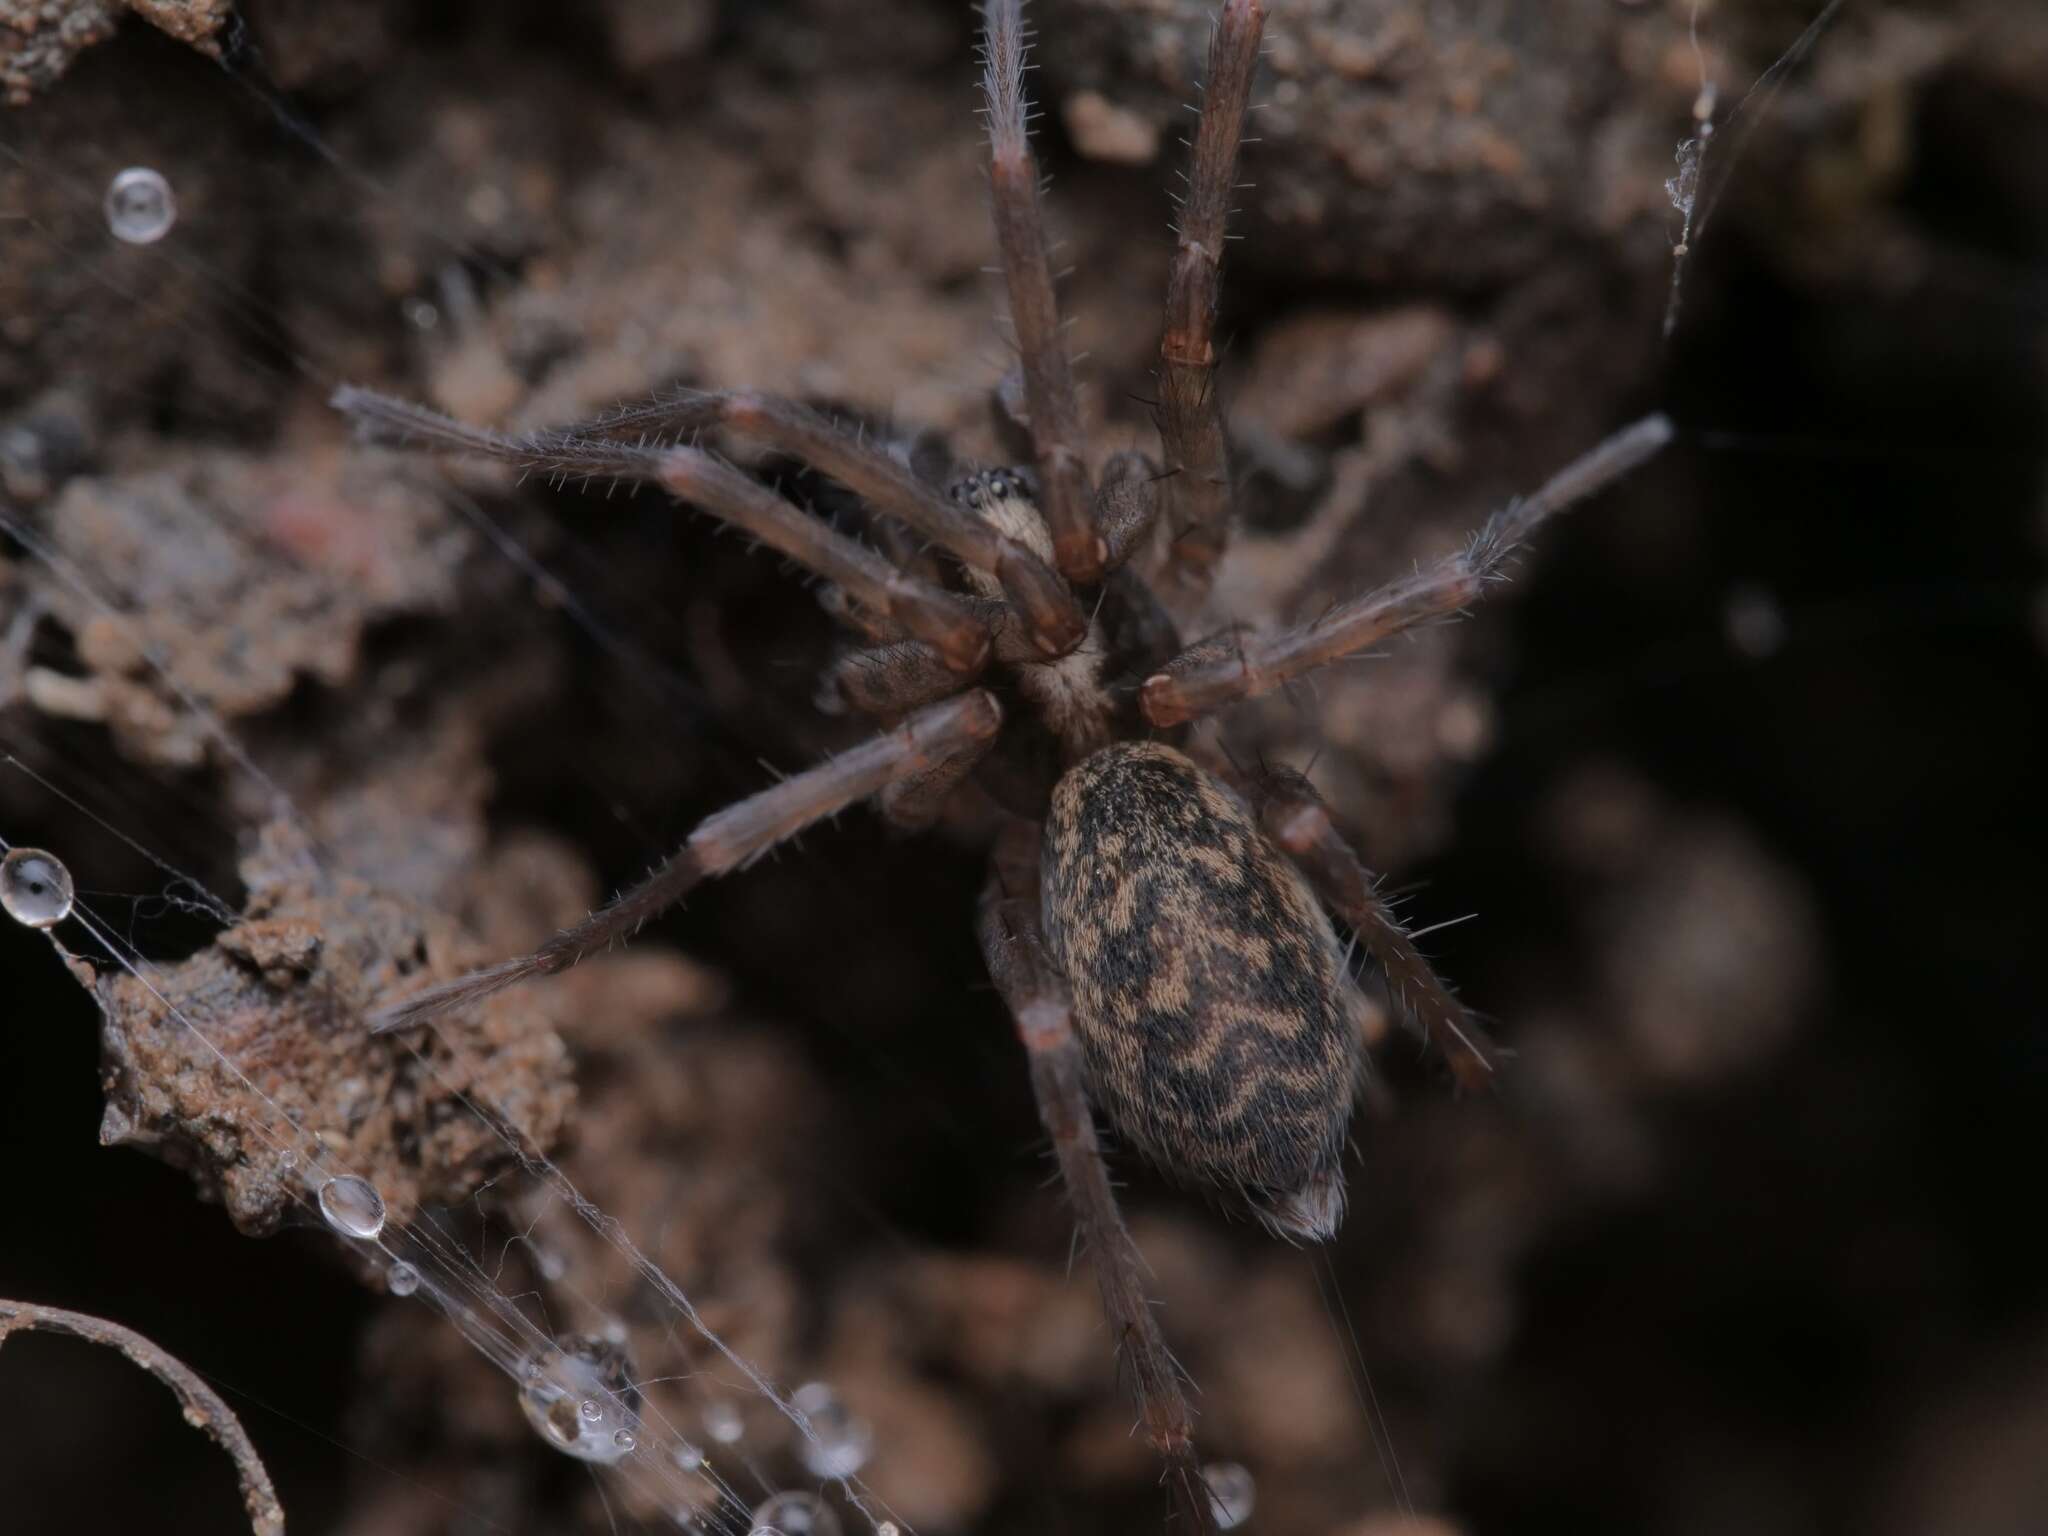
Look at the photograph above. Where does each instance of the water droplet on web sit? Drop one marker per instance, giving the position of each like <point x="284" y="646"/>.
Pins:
<point x="722" y="1422"/>
<point x="795" y="1514"/>
<point x="888" y="1528"/>
<point x="1231" y="1493"/>
<point x="842" y="1441"/>
<point x="35" y="888"/>
<point x="402" y="1279"/>
<point x="140" y="208"/>
<point x="579" y="1396"/>
<point x="352" y="1206"/>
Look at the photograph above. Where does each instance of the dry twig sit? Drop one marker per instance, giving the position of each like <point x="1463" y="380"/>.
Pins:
<point x="204" y="1407"/>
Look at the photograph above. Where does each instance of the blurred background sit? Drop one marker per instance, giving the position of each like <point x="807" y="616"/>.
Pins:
<point x="1731" y="799"/>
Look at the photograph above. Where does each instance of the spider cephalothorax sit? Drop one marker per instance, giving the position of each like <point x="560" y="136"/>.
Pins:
<point x="1160" y="927"/>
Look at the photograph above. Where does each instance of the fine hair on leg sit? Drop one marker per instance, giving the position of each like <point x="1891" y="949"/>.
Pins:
<point x="886" y="681"/>
<point x="1014" y="947"/>
<point x="731" y="839"/>
<point x="1205" y="678"/>
<point x="928" y="612"/>
<point x="1126" y="505"/>
<point x="1294" y="816"/>
<point x="886" y="486"/>
<point x="1198" y="491"/>
<point x="1048" y="374"/>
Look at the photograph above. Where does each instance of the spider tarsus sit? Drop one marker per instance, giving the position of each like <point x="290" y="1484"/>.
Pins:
<point x="1003" y="47"/>
<point x="1592" y="472"/>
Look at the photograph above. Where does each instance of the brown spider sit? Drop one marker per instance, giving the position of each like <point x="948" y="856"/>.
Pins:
<point x="1161" y="930"/>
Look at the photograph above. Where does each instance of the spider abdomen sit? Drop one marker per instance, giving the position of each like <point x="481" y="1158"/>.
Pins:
<point x="1208" y="986"/>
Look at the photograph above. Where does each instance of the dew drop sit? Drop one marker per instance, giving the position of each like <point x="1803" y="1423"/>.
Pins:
<point x="402" y="1279"/>
<point x="722" y="1422"/>
<point x="35" y="888"/>
<point x="352" y="1206"/>
<point x="888" y="1528"/>
<point x="1231" y="1493"/>
<point x="794" y="1514"/>
<point x="580" y="1398"/>
<point x="140" y="208"/>
<point x="842" y="1441"/>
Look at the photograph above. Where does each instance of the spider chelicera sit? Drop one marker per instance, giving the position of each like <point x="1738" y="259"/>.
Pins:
<point x="1160" y="927"/>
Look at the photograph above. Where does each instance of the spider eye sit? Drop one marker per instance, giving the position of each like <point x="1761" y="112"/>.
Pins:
<point x="1001" y="484"/>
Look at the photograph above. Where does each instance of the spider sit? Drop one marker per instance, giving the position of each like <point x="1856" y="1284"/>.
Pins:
<point x="1160" y="927"/>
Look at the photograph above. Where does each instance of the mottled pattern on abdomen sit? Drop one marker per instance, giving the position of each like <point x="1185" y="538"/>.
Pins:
<point x="1208" y="987"/>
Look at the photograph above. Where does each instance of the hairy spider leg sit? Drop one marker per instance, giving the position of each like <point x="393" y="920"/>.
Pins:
<point x="1014" y="947"/>
<point x="1198" y="492"/>
<point x="732" y="839"/>
<point x="1295" y="818"/>
<point x="942" y="620"/>
<point x="1064" y="495"/>
<point x="1048" y="607"/>
<point x="1210" y="675"/>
